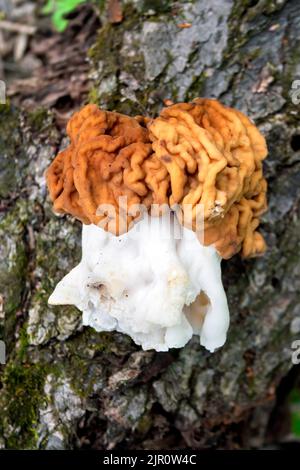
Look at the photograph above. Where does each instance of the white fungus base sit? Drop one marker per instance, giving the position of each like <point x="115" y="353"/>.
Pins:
<point x="157" y="288"/>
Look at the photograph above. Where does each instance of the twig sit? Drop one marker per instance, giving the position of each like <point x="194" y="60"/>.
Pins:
<point x="20" y="46"/>
<point x="17" y="27"/>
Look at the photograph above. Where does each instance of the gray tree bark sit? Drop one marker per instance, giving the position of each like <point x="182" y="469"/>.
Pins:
<point x="65" y="386"/>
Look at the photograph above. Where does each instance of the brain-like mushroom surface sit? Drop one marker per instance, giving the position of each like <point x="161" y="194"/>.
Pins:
<point x="202" y="153"/>
<point x="159" y="279"/>
<point x="213" y="155"/>
<point x="102" y="163"/>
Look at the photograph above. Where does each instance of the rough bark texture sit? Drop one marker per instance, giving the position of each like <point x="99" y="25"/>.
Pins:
<point x="65" y="386"/>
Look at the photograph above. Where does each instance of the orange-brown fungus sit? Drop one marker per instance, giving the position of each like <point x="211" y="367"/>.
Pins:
<point x="201" y="153"/>
<point x="213" y="155"/>
<point x="103" y="162"/>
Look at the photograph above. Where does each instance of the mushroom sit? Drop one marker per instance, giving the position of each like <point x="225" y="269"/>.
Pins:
<point x="214" y="155"/>
<point x="101" y="164"/>
<point x="148" y="269"/>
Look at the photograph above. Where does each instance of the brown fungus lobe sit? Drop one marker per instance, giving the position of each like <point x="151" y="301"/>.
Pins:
<point x="193" y="153"/>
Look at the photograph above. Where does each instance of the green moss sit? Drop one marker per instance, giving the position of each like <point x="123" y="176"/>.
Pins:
<point x="37" y="119"/>
<point x="111" y="59"/>
<point x="246" y="12"/>
<point x="196" y="87"/>
<point x="79" y="359"/>
<point x="101" y="5"/>
<point x="93" y="96"/>
<point x="23" y="394"/>
<point x="10" y="150"/>
<point x="144" y="425"/>
<point x="263" y="7"/>
<point x="235" y="38"/>
<point x="58" y="247"/>
<point x="157" y="6"/>
<point x="86" y="350"/>
<point x="13" y="265"/>
<point x="23" y="344"/>
<point x="290" y="73"/>
<point x="109" y="39"/>
<point x="88" y="340"/>
<point x="109" y="65"/>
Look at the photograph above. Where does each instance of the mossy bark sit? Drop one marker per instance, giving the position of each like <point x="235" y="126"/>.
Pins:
<point x="65" y="386"/>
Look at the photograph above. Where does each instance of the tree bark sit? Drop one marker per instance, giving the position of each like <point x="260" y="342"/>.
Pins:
<point x="65" y="386"/>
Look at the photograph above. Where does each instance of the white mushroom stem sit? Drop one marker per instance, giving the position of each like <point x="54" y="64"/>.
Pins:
<point x="156" y="283"/>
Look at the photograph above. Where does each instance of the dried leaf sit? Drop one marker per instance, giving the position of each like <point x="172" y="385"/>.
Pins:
<point x="184" y="25"/>
<point x="114" y="11"/>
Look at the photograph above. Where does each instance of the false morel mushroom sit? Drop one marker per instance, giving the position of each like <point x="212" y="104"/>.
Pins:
<point x="214" y="155"/>
<point x="140" y="186"/>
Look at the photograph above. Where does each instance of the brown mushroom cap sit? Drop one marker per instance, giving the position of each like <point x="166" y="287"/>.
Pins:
<point x="201" y="153"/>
<point x="214" y="155"/>
<point x="101" y="163"/>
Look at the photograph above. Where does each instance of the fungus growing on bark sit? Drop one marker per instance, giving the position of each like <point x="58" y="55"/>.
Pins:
<point x="102" y="163"/>
<point x="214" y="155"/>
<point x="159" y="279"/>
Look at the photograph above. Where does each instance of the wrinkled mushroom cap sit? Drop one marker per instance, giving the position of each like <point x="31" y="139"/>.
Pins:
<point x="101" y="164"/>
<point x="213" y="155"/>
<point x="193" y="153"/>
